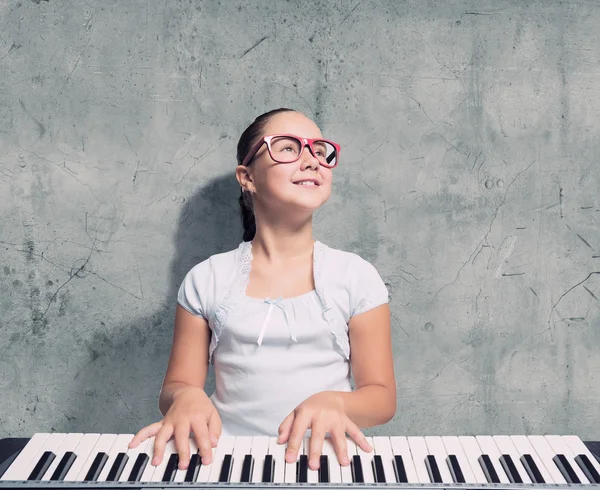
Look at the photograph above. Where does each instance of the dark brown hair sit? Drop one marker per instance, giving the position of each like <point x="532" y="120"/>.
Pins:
<point x="248" y="139"/>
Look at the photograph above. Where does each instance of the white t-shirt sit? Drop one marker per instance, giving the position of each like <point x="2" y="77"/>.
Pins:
<point x="271" y="354"/>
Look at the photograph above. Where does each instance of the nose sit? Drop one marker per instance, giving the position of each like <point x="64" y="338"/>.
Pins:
<point x="311" y="159"/>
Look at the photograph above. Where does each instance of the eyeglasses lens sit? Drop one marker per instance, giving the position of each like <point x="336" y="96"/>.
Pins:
<point x="285" y="149"/>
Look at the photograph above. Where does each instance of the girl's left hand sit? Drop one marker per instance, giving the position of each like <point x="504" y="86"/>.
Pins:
<point x="323" y="412"/>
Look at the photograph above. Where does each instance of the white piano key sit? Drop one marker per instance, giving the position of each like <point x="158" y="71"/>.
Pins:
<point x="506" y="446"/>
<point x="383" y="447"/>
<point x="159" y="470"/>
<point x="260" y="448"/>
<point x="144" y="447"/>
<point x="472" y="452"/>
<point x="52" y="443"/>
<point x="22" y="466"/>
<point x="278" y="453"/>
<point x="346" y="471"/>
<point x="545" y="454"/>
<point x="335" y="468"/>
<point x="400" y="447"/>
<point x="68" y="444"/>
<point x="453" y="446"/>
<point x="418" y="449"/>
<point x="366" y="459"/>
<point x="290" y="468"/>
<point x="436" y="448"/>
<point x="83" y="450"/>
<point x="150" y="468"/>
<point x="243" y="446"/>
<point x="180" y="474"/>
<point x="225" y="446"/>
<point x="523" y="446"/>
<point x="205" y="469"/>
<point x="578" y="447"/>
<point x="312" y="476"/>
<point x="559" y="446"/>
<point x="103" y="445"/>
<point x="488" y="446"/>
<point x="119" y="446"/>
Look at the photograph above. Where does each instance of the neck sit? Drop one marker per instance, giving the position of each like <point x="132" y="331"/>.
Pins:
<point x="277" y="243"/>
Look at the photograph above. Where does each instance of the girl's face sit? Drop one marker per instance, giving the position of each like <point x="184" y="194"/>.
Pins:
<point x="274" y="184"/>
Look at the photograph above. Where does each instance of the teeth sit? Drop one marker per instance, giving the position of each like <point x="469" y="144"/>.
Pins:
<point x="306" y="183"/>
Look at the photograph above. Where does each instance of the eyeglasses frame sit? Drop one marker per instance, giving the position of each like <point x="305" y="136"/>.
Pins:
<point x="304" y="141"/>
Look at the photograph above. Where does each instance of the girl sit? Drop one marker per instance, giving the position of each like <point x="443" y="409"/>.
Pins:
<point x="277" y="316"/>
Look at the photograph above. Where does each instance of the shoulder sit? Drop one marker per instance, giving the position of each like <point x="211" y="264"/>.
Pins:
<point x="223" y="261"/>
<point x="347" y="263"/>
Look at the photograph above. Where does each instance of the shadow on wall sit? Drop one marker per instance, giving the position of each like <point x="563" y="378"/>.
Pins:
<point x="117" y="392"/>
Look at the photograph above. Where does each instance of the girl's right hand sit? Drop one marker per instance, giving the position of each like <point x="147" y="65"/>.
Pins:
<point x="191" y="411"/>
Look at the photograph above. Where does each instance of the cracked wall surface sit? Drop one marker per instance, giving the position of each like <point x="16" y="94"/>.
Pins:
<point x="469" y="176"/>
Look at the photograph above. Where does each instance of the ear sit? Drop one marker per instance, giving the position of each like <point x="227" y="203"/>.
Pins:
<point x="244" y="177"/>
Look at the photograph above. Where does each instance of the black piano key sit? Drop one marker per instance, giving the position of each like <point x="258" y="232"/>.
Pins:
<point x="96" y="468"/>
<point x="357" y="470"/>
<point x="117" y="468"/>
<point x="302" y="469"/>
<point x="400" y="470"/>
<point x="192" y="472"/>
<point x="455" y="470"/>
<point x="510" y="468"/>
<point x="138" y="467"/>
<point x="247" y="468"/>
<point x="378" y="469"/>
<point x="225" y="474"/>
<point x="64" y="466"/>
<point x="42" y="466"/>
<point x="432" y="469"/>
<point x="588" y="468"/>
<point x="323" y="469"/>
<point x="532" y="470"/>
<point x="488" y="469"/>
<point x="268" y="469"/>
<point x="565" y="468"/>
<point x="171" y="469"/>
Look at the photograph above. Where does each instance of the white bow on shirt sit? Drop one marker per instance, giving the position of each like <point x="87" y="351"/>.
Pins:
<point x="274" y="302"/>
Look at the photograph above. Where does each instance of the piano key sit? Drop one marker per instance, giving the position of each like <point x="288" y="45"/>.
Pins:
<point x="225" y="473"/>
<point x="335" y="468"/>
<point x="378" y="469"/>
<point x="259" y="451"/>
<point x="546" y="455"/>
<point x="21" y="466"/>
<point x="312" y="476"/>
<point x="171" y="468"/>
<point x="291" y="469"/>
<point x="562" y="463"/>
<point x="102" y="445"/>
<point x="64" y="466"/>
<point x="382" y="447"/>
<point x="224" y="448"/>
<point x="532" y="461"/>
<point x="68" y="444"/>
<point x="587" y="467"/>
<point x="268" y="469"/>
<point x="400" y="469"/>
<point x="117" y="468"/>
<point x="242" y="448"/>
<point x="83" y="450"/>
<point x="323" y="471"/>
<point x="347" y="472"/>
<point x="488" y="446"/>
<point x="139" y="466"/>
<point x="156" y="473"/>
<point x="357" y="469"/>
<point x="419" y="452"/>
<point x="302" y="469"/>
<point x="488" y="468"/>
<point x="367" y="461"/>
<point x="247" y="467"/>
<point x="206" y="469"/>
<point x="97" y="466"/>
<point x="180" y="475"/>
<point x="454" y="447"/>
<point x="191" y="474"/>
<point x="455" y="469"/>
<point x="41" y="467"/>
<point x="433" y="469"/>
<point x="506" y="447"/>
<point x="278" y="453"/>
<point x="578" y="448"/>
<point x="436" y="448"/>
<point x="120" y="445"/>
<point x="510" y="468"/>
<point x="559" y="446"/>
<point x="52" y="444"/>
<point x="400" y="447"/>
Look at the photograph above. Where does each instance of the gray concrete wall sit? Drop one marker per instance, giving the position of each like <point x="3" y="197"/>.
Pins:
<point x="469" y="177"/>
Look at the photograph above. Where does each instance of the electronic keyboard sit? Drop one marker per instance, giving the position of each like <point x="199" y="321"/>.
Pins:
<point x="76" y="460"/>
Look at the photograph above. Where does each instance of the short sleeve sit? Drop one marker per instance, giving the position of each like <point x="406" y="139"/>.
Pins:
<point x="192" y="294"/>
<point x="367" y="289"/>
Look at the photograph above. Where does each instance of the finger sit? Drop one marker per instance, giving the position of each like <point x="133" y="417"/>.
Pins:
<point x="299" y="427"/>
<point x="317" y="437"/>
<point x="160" y="441"/>
<point x="145" y="433"/>
<point x="202" y="437"/>
<point x="355" y="433"/>
<point x="285" y="427"/>
<point x="338" y="437"/>
<point x="182" y="445"/>
<point x="215" y="428"/>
